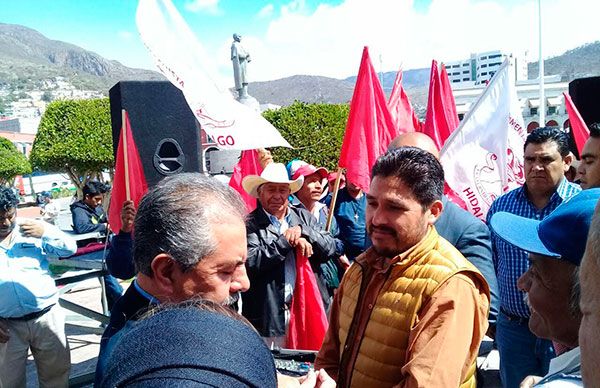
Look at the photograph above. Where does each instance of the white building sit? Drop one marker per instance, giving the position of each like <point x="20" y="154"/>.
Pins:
<point x="481" y="67"/>
<point x="528" y="92"/>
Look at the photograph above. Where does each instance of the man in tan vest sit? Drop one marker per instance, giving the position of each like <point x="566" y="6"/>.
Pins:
<point x="411" y="311"/>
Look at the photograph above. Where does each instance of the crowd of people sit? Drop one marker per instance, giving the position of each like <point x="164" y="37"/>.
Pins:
<point x="409" y="282"/>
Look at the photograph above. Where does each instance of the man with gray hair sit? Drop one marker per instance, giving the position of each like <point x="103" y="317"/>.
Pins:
<point x="189" y="241"/>
<point x="556" y="246"/>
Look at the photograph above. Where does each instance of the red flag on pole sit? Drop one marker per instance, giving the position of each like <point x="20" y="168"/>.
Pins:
<point x="308" y="321"/>
<point x="400" y="108"/>
<point x="441" y="118"/>
<point x="129" y="182"/>
<point x="370" y="127"/>
<point x="580" y="131"/>
<point x="248" y="165"/>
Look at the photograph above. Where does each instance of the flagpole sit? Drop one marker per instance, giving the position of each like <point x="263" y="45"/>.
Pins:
<point x="336" y="188"/>
<point x="542" y="107"/>
<point x="125" y="156"/>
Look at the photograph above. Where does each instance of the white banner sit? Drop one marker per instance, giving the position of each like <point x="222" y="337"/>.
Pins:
<point x="483" y="158"/>
<point x="180" y="57"/>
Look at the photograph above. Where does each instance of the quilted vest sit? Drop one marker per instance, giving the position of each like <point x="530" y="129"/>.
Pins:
<point x="410" y="284"/>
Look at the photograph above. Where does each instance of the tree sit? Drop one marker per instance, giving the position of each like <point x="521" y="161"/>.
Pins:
<point x="47" y="96"/>
<point x="75" y="137"/>
<point x="316" y="132"/>
<point x="12" y="162"/>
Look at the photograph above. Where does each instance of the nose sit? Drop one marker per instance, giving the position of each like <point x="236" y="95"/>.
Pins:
<point x="240" y="282"/>
<point x="524" y="282"/>
<point x="580" y="169"/>
<point x="377" y="216"/>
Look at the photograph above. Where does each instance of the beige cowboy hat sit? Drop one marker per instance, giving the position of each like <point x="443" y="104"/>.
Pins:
<point x="273" y="173"/>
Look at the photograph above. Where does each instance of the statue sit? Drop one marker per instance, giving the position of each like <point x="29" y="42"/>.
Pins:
<point x="240" y="58"/>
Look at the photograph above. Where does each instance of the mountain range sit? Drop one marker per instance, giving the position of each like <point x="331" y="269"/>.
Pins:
<point x="29" y="58"/>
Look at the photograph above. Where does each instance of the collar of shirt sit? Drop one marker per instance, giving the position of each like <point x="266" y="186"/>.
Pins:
<point x="146" y="295"/>
<point x="281" y="225"/>
<point x="316" y="209"/>
<point x="562" y="191"/>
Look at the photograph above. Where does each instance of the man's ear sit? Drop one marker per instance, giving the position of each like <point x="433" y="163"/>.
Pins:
<point x="568" y="160"/>
<point x="165" y="271"/>
<point x="435" y="211"/>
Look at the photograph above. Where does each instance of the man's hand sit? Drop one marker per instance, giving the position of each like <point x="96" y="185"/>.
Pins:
<point x="293" y="234"/>
<point x="530" y="381"/>
<point x="344" y="261"/>
<point x="305" y="247"/>
<point x="4" y="333"/>
<point x="31" y="228"/>
<point x="127" y="216"/>
<point x="318" y="379"/>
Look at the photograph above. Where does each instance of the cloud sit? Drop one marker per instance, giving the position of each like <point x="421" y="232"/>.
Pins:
<point x="266" y="11"/>
<point x="208" y="6"/>
<point x="125" y="35"/>
<point x="328" y="40"/>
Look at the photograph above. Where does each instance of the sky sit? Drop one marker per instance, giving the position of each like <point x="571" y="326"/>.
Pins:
<point x="289" y="37"/>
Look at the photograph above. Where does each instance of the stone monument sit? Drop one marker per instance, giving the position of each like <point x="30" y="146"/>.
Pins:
<point x="240" y="59"/>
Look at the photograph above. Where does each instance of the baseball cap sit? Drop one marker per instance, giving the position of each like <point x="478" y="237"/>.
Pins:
<point x="297" y="168"/>
<point x="562" y="235"/>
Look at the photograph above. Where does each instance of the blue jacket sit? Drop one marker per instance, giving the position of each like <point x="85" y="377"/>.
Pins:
<point x="86" y="219"/>
<point x="119" y="259"/>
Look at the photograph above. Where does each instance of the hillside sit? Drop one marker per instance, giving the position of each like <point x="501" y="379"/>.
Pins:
<point x="583" y="61"/>
<point x="28" y="58"/>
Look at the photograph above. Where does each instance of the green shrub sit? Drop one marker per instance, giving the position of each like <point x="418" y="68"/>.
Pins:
<point x="316" y="132"/>
<point x="12" y="162"/>
<point x="74" y="137"/>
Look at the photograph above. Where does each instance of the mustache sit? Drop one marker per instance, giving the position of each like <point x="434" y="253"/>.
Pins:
<point x="232" y="299"/>
<point x="384" y="229"/>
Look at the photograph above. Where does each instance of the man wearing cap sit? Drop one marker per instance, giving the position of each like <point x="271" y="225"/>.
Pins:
<point x="328" y="273"/>
<point x="556" y="246"/>
<point x="275" y="231"/>
<point x="589" y="166"/>
<point x="411" y="311"/>
<point x="589" y="274"/>
<point x="546" y="161"/>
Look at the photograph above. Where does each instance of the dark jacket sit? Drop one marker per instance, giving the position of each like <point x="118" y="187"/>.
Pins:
<point x="119" y="259"/>
<point x="86" y="219"/>
<point x="263" y="304"/>
<point x="471" y="237"/>
<point x="130" y="306"/>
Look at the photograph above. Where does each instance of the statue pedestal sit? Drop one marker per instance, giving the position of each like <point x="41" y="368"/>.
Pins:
<point x="250" y="102"/>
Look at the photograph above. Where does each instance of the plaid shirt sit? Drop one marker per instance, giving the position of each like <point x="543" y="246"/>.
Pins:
<point x="511" y="262"/>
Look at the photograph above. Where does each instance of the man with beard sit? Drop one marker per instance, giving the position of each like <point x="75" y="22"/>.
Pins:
<point x="411" y="311"/>
<point x="190" y="241"/>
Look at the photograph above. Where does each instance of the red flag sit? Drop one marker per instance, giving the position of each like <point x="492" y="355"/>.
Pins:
<point x="400" y="108"/>
<point x="580" y="131"/>
<point x="130" y="167"/>
<point x="248" y="165"/>
<point x="370" y="127"/>
<point x="308" y="321"/>
<point x="441" y="118"/>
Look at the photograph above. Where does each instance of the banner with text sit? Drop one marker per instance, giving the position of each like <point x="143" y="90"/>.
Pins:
<point x="181" y="58"/>
<point x="483" y="158"/>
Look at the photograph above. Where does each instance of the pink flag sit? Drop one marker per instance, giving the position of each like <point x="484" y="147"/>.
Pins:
<point x="441" y="118"/>
<point x="248" y="165"/>
<point x="580" y="131"/>
<point x="370" y="127"/>
<point x="400" y="108"/>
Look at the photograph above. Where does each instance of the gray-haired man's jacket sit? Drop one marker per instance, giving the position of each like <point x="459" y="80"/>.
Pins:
<point x="263" y="304"/>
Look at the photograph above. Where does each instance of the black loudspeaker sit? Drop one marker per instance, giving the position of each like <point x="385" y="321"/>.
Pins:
<point x="585" y="93"/>
<point x="164" y="128"/>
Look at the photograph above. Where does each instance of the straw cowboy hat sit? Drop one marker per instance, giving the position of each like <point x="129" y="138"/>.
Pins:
<point x="273" y="173"/>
